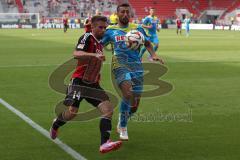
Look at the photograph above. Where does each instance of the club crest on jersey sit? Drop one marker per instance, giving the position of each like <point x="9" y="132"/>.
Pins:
<point x="120" y="38"/>
<point x="80" y="46"/>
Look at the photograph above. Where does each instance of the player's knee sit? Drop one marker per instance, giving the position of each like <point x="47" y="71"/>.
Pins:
<point x="106" y="109"/>
<point x="128" y="95"/>
<point x="126" y="88"/>
<point x="72" y="112"/>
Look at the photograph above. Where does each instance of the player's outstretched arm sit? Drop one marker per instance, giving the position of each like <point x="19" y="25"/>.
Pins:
<point x="154" y="56"/>
<point x="147" y="26"/>
<point x="83" y="54"/>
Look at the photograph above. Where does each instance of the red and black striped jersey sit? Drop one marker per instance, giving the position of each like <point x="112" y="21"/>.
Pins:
<point x="88" y="68"/>
<point x="65" y="21"/>
<point x="178" y="22"/>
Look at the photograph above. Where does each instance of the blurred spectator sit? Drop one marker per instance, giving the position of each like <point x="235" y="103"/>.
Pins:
<point x="113" y="18"/>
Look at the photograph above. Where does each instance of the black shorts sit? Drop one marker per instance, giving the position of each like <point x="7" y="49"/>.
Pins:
<point x="65" y="25"/>
<point x="79" y="90"/>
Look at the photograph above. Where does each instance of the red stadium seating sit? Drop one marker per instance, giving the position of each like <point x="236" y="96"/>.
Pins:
<point x="203" y="4"/>
<point x="222" y="4"/>
<point x="19" y="5"/>
<point x="234" y="5"/>
<point x="167" y="8"/>
<point x="163" y="7"/>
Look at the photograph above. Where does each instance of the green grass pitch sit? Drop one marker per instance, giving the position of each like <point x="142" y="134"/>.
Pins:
<point x="203" y="68"/>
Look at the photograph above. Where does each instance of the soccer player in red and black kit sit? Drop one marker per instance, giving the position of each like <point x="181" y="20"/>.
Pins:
<point x="179" y="25"/>
<point x="85" y="85"/>
<point x="65" y="24"/>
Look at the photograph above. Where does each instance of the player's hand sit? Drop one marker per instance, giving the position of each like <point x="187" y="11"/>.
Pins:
<point x="101" y="57"/>
<point x="156" y="58"/>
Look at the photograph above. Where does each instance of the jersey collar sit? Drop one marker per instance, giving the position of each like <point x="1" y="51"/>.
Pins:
<point x="94" y="37"/>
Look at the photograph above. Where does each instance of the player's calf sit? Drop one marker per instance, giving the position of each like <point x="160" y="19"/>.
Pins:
<point x="105" y="126"/>
<point x="61" y="120"/>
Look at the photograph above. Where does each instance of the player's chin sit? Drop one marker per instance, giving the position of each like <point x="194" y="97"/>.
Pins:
<point x="100" y="35"/>
<point x="125" y="21"/>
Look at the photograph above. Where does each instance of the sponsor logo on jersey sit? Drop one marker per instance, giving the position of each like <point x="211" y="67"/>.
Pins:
<point x="120" y="38"/>
<point x="80" y="46"/>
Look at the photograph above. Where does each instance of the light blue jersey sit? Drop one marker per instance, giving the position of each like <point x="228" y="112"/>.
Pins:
<point x="153" y="21"/>
<point x="116" y="36"/>
<point x="149" y="20"/>
<point x="126" y="63"/>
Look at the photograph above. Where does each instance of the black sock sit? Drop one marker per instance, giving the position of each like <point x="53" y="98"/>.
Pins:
<point x="105" y="129"/>
<point x="58" y="122"/>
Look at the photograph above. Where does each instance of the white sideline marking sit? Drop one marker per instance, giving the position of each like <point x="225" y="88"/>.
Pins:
<point x="44" y="132"/>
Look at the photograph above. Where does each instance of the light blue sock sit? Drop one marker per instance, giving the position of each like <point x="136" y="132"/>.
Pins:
<point x="124" y="113"/>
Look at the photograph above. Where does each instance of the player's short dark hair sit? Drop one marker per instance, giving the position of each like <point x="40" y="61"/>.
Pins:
<point x="97" y="18"/>
<point x="152" y="8"/>
<point x="123" y="5"/>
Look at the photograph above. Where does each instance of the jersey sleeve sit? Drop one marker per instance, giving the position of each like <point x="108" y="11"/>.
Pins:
<point x="146" y="21"/>
<point x="83" y="43"/>
<point x="140" y="29"/>
<point x="106" y="38"/>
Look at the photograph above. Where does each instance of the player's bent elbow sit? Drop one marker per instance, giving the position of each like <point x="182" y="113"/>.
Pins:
<point x="76" y="53"/>
<point x="79" y="55"/>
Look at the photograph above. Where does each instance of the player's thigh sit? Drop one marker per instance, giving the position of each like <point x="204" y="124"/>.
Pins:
<point x="122" y="74"/>
<point x="95" y="95"/>
<point x="126" y="89"/>
<point x="126" y="79"/>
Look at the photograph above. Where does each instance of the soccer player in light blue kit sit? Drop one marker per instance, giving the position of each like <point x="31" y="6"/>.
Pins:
<point x="126" y="66"/>
<point x="150" y="23"/>
<point x="187" y="22"/>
